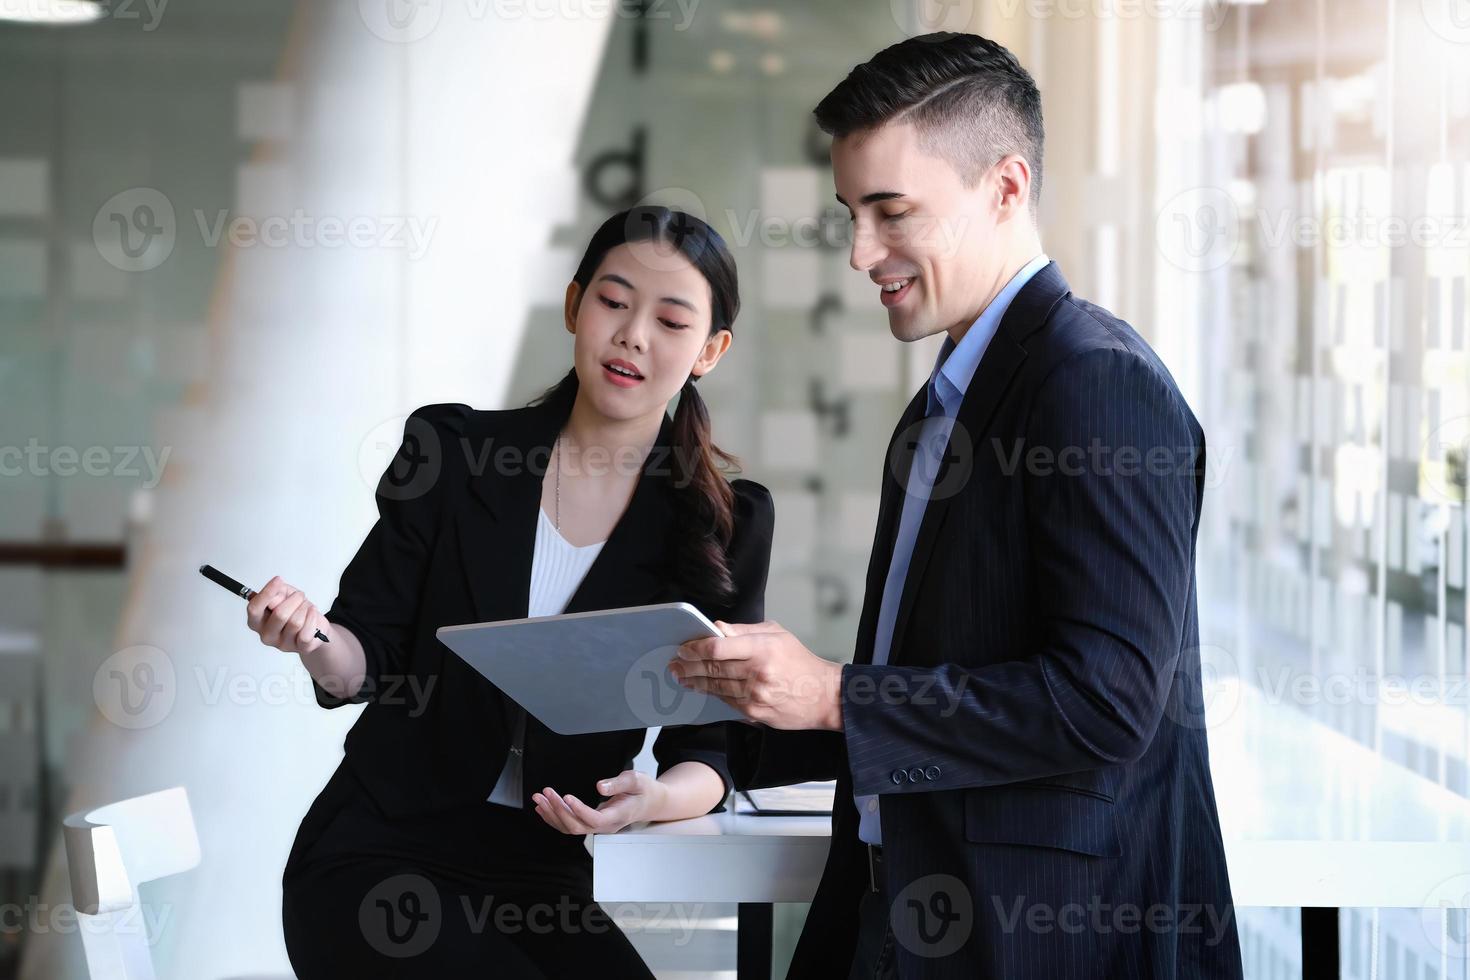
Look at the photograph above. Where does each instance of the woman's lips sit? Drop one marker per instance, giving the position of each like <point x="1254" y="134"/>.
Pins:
<point x="621" y="380"/>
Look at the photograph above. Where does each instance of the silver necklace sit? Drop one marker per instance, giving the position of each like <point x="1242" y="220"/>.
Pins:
<point x="558" y="482"/>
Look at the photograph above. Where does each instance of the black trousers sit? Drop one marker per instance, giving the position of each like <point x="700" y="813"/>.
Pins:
<point x="482" y="893"/>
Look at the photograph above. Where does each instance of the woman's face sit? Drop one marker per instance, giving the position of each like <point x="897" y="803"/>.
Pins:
<point x="642" y="327"/>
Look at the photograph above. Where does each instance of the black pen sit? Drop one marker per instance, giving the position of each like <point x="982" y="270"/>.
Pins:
<point x="243" y="591"/>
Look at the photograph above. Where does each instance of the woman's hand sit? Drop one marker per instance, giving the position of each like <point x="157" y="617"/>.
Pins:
<point x="285" y="618"/>
<point x="632" y="796"/>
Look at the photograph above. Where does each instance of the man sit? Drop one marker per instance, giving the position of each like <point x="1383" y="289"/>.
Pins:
<point x="1023" y="785"/>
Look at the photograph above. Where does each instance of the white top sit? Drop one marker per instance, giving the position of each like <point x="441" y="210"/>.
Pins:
<point x="557" y="568"/>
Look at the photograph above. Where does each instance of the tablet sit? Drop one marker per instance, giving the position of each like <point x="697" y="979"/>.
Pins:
<point x="600" y="671"/>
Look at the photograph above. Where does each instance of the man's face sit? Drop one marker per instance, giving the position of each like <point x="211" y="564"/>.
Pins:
<point x="916" y="226"/>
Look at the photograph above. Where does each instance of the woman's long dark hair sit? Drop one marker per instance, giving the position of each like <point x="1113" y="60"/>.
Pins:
<point x="704" y="501"/>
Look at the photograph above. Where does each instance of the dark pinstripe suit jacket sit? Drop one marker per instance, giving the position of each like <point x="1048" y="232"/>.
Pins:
<point x="1036" y="738"/>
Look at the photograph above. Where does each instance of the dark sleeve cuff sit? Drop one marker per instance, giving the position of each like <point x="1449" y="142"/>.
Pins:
<point x="759" y="756"/>
<point x="370" y="654"/>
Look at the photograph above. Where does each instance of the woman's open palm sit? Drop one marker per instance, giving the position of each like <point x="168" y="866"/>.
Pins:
<point x="631" y="796"/>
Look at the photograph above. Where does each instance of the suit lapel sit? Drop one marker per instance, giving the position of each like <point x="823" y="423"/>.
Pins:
<point x="497" y="522"/>
<point x="1002" y="359"/>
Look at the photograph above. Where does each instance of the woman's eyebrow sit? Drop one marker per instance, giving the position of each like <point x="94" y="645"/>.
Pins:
<point x="614" y="277"/>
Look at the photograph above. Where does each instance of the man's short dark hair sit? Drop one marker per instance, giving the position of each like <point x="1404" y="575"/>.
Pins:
<point x="969" y="98"/>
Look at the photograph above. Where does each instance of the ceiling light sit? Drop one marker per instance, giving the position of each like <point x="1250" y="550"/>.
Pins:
<point x="50" y="11"/>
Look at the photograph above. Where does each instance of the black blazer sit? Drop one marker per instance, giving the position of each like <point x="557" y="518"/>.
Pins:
<point x="1036" y="738"/>
<point x="453" y="544"/>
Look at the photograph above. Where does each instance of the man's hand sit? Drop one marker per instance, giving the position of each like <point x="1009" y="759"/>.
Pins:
<point x="766" y="674"/>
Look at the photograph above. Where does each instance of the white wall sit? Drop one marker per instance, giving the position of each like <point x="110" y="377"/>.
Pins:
<point x="315" y="354"/>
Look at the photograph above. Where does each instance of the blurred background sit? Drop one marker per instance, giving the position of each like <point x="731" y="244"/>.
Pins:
<point x="239" y="242"/>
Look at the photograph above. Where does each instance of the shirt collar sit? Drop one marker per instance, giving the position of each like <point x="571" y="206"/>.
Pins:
<point x="957" y="363"/>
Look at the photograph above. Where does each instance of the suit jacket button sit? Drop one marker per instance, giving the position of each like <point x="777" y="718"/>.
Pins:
<point x="932" y="772"/>
<point x="898" y="776"/>
<point x="915" y="774"/>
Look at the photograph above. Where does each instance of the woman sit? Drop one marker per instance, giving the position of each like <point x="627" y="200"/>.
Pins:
<point x="449" y="842"/>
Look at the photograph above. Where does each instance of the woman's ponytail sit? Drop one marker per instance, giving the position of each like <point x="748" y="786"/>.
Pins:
<point x="705" y="501"/>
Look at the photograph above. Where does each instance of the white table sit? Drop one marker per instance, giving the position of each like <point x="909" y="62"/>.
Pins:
<point x="1310" y="819"/>
<point x="724" y="857"/>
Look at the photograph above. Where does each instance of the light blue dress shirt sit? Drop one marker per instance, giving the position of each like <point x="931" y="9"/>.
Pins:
<point x="946" y="389"/>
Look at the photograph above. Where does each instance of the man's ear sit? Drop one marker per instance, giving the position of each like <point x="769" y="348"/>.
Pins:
<point x="714" y="349"/>
<point x="1013" y="183"/>
<point x="573" y="303"/>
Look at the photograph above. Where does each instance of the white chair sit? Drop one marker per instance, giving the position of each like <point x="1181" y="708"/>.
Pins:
<point x="110" y="851"/>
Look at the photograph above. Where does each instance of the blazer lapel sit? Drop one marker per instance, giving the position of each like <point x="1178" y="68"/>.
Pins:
<point x="497" y="525"/>
<point x="1003" y="357"/>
